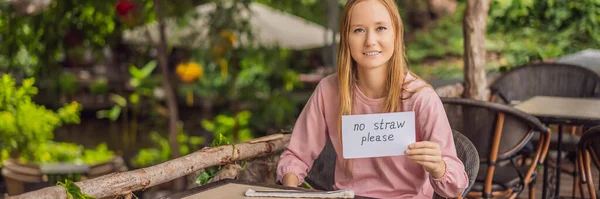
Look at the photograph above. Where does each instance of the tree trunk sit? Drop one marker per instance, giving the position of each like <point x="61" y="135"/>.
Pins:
<point x="117" y="184"/>
<point x="170" y="95"/>
<point x="422" y="13"/>
<point x="333" y="10"/>
<point x="474" y="24"/>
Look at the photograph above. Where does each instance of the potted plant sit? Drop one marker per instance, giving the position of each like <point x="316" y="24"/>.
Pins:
<point x="26" y="133"/>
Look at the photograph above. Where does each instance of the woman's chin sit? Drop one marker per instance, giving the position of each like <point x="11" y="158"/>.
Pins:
<point x="371" y="65"/>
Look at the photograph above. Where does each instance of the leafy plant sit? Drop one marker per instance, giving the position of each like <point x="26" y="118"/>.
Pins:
<point x="73" y="191"/>
<point x="68" y="84"/>
<point x="210" y="172"/>
<point x="143" y="84"/>
<point x="224" y="126"/>
<point x="24" y="124"/>
<point x="528" y="30"/>
<point x="162" y="150"/>
<point x="27" y="129"/>
<point x="99" y="86"/>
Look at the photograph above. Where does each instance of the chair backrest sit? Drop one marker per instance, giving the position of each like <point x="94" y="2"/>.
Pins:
<point x="550" y="79"/>
<point x="479" y="120"/>
<point x="467" y="153"/>
<point x="322" y="174"/>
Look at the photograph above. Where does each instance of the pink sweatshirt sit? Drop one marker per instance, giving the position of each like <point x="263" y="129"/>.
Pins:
<point x="395" y="177"/>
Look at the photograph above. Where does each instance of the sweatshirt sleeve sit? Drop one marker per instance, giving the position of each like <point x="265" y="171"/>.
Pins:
<point x="434" y="127"/>
<point x="308" y="138"/>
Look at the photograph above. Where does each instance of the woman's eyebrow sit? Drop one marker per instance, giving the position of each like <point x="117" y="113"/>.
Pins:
<point x="376" y="23"/>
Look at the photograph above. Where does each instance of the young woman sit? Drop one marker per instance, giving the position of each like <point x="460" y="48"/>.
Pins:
<point x="372" y="78"/>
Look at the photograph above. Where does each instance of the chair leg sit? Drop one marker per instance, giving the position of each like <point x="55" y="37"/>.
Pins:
<point x="532" y="190"/>
<point x="576" y="175"/>
<point x="588" y="172"/>
<point x="575" y="184"/>
<point x="582" y="175"/>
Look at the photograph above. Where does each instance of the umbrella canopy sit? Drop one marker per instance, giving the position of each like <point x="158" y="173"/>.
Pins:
<point x="270" y="27"/>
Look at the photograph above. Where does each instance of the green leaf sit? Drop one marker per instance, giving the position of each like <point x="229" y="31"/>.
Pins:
<point x="134" y="98"/>
<point x="203" y="178"/>
<point x="102" y="114"/>
<point x="114" y="113"/>
<point x="73" y="191"/>
<point x="147" y="69"/>
<point x="220" y="140"/>
<point x="134" y="82"/>
<point x="209" y="126"/>
<point x="135" y="72"/>
<point x="120" y="100"/>
<point x="195" y="140"/>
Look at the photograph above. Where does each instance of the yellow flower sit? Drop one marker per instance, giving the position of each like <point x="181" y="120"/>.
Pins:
<point x="189" y="72"/>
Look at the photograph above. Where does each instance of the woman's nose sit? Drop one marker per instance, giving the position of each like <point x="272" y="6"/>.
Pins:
<point x="371" y="39"/>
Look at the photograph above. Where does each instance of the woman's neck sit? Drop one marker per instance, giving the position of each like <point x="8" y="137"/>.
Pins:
<point x="371" y="81"/>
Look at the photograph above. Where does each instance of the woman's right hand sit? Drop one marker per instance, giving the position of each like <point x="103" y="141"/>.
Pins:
<point x="290" y="179"/>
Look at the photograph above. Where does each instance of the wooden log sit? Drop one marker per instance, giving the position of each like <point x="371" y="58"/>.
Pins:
<point x="229" y="171"/>
<point x="117" y="184"/>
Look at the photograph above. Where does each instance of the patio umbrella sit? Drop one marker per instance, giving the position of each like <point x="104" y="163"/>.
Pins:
<point x="270" y="27"/>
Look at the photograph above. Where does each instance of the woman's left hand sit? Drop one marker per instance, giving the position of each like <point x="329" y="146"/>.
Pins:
<point x="429" y="155"/>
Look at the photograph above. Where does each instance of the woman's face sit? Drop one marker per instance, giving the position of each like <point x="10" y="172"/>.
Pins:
<point x="371" y="36"/>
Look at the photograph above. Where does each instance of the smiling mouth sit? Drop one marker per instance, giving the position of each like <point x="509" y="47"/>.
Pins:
<point x="373" y="53"/>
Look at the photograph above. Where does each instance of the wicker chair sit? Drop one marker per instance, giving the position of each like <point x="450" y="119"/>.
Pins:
<point x="321" y="176"/>
<point x="549" y="79"/>
<point x="499" y="133"/>
<point x="546" y="79"/>
<point x="589" y="151"/>
<point x="466" y="152"/>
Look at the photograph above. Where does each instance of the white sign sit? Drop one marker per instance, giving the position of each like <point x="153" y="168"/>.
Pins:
<point x="377" y="135"/>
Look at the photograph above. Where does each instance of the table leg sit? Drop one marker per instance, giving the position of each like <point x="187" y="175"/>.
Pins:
<point x="558" y="160"/>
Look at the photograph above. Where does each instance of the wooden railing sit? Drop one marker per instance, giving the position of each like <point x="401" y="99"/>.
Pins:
<point x="118" y="184"/>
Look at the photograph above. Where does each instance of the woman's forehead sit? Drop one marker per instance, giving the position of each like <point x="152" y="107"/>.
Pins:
<point x="369" y="12"/>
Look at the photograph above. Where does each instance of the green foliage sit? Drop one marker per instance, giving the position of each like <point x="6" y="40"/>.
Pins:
<point x="66" y="29"/>
<point x="113" y="113"/>
<point x="52" y="152"/>
<point x="225" y="125"/>
<point x="446" y="39"/>
<point x="519" y="31"/>
<point x="139" y="75"/>
<point x="261" y="77"/>
<point x="24" y="123"/>
<point x="99" y="86"/>
<point x="73" y="191"/>
<point x="68" y="83"/>
<point x="528" y="30"/>
<point x="143" y="85"/>
<point x="162" y="150"/>
<point x="27" y="128"/>
<point x="210" y="172"/>
<point x="30" y="40"/>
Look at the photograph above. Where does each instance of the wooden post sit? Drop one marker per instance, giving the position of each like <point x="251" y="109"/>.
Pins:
<point x="474" y="25"/>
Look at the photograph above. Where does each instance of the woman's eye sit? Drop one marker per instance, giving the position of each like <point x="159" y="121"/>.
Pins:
<point x="359" y="30"/>
<point x="381" y="28"/>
